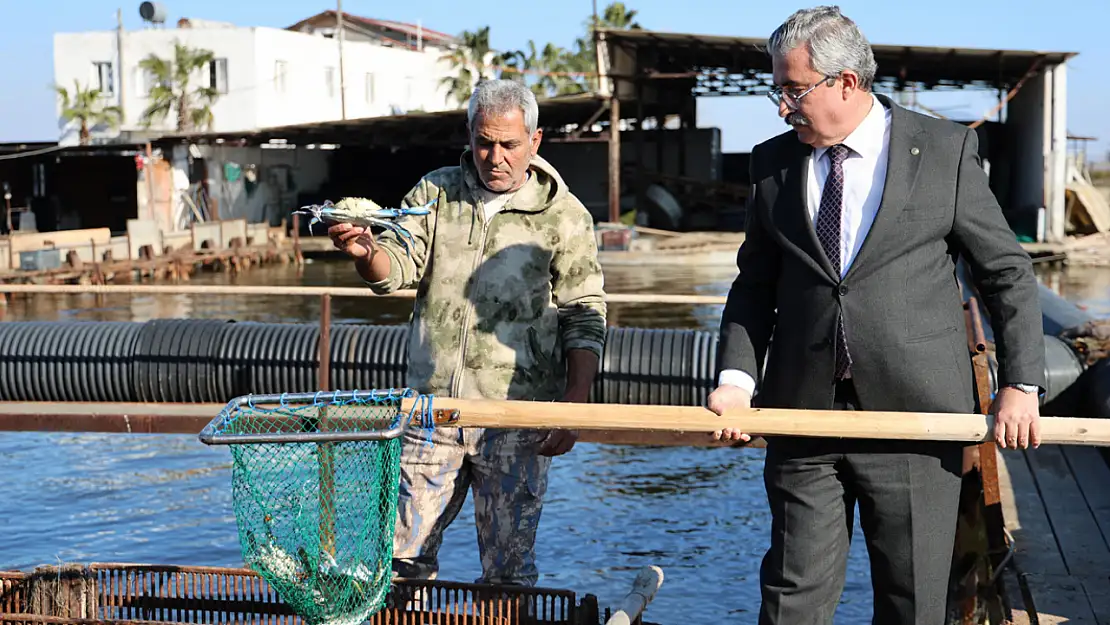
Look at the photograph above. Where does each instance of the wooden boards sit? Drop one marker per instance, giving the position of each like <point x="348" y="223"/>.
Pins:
<point x="1057" y="508"/>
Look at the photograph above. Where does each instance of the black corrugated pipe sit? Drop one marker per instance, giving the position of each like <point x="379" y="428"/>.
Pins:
<point x="204" y="360"/>
<point x="74" y="361"/>
<point x="187" y="360"/>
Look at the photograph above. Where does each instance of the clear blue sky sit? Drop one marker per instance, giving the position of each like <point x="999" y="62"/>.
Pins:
<point x="26" y="48"/>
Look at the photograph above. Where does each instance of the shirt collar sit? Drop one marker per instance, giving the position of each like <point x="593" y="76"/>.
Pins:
<point x="867" y="139"/>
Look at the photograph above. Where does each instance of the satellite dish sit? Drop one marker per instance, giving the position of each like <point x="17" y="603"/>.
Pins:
<point x="153" y="12"/>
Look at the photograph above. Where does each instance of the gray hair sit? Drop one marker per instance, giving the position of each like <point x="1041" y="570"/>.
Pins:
<point x="502" y="96"/>
<point x="835" y="43"/>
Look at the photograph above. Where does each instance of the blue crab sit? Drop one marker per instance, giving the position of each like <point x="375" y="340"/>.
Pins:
<point x="365" y="213"/>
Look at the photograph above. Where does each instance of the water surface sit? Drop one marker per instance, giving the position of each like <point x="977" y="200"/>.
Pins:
<point x="698" y="514"/>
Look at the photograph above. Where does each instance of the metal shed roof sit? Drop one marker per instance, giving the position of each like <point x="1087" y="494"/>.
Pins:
<point x="435" y="128"/>
<point x="671" y="55"/>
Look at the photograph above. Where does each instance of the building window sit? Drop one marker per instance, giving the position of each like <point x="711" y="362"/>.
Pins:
<point x="217" y="75"/>
<point x="369" y="88"/>
<point x="279" y="76"/>
<point x="329" y="81"/>
<point x="103" y="78"/>
<point x="147" y="79"/>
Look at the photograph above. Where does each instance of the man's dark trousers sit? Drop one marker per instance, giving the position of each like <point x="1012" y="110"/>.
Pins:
<point x="813" y="485"/>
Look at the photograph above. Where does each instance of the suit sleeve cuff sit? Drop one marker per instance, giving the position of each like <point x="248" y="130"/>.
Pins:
<point x="735" y="377"/>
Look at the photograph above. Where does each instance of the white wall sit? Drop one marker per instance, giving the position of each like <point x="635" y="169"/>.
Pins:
<point x="75" y="54"/>
<point x="255" y="96"/>
<point x="404" y="79"/>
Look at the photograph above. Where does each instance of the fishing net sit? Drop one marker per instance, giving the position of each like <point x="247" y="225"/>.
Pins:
<point x="314" y="489"/>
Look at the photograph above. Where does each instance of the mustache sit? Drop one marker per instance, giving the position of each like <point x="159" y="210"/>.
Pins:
<point x="796" y="119"/>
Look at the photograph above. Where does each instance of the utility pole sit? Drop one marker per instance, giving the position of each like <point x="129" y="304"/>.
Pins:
<point x="342" y="74"/>
<point x="119" y="62"/>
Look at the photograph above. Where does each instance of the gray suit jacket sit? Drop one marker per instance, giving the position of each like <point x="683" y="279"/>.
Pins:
<point x="901" y="302"/>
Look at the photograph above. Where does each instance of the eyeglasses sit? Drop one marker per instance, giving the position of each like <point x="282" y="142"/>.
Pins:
<point x="778" y="96"/>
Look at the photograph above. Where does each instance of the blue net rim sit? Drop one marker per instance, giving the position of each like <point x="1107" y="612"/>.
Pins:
<point x="218" y="430"/>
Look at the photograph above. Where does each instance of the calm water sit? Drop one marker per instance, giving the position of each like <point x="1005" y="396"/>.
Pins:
<point x="698" y="514"/>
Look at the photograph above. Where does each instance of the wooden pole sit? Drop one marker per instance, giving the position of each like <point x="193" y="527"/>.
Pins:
<point x="970" y="428"/>
<point x="615" y="423"/>
<point x="306" y="291"/>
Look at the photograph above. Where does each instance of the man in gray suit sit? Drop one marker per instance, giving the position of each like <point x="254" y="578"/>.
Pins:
<point x="857" y="218"/>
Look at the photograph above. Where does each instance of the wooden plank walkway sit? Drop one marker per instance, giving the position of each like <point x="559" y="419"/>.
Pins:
<point x="1056" y="507"/>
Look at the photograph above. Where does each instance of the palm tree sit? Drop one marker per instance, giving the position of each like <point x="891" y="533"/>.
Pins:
<point x="468" y="61"/>
<point x="171" y="89"/>
<point x="86" y="107"/>
<point x="616" y="16"/>
<point x="544" y="71"/>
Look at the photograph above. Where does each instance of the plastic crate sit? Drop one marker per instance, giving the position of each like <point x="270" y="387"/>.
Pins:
<point x="40" y="260"/>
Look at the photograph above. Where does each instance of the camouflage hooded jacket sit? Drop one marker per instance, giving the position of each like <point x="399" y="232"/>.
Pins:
<point x="498" y="303"/>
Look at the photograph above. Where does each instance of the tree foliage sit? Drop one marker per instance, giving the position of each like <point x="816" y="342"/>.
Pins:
<point x="86" y="106"/>
<point x="172" y="89"/>
<point x="549" y="70"/>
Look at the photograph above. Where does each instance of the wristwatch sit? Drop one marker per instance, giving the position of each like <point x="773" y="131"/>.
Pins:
<point x="1029" y="389"/>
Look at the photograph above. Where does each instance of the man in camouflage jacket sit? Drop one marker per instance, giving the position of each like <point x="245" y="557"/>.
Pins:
<point x="509" y="305"/>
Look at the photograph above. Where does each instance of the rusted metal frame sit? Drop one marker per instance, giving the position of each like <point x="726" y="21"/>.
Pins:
<point x="660" y="140"/>
<point x="325" y="342"/>
<point x="979" y="534"/>
<point x="160" y="593"/>
<point x="614" y="155"/>
<point x="577" y="132"/>
<point x="638" y="176"/>
<point x="154" y="422"/>
<point x="297" y="255"/>
<point x="326" y="450"/>
<point x="568" y="139"/>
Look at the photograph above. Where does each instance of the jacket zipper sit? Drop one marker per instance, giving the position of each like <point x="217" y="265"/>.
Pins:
<point x="456" y="378"/>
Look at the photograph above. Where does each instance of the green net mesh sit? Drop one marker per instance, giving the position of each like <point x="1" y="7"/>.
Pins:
<point x="315" y="480"/>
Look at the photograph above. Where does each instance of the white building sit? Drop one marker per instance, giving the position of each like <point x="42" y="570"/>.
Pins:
<point x="265" y="76"/>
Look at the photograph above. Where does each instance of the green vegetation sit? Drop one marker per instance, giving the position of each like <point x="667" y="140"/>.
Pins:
<point x="170" y="91"/>
<point x="549" y="70"/>
<point x="86" y="107"/>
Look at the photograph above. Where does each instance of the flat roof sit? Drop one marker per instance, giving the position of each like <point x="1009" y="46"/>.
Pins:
<point x="14" y="150"/>
<point x="417" y="128"/>
<point x="666" y="55"/>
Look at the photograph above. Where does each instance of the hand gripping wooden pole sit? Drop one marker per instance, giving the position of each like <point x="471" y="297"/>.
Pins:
<point x="970" y="428"/>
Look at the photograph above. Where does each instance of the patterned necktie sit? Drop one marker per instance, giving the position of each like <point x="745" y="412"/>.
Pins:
<point x="828" y="233"/>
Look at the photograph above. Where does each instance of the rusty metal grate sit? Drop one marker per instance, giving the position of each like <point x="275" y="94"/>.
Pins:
<point x="13" y="598"/>
<point x="102" y="593"/>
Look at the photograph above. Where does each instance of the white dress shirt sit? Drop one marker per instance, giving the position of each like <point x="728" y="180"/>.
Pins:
<point x="864" y="175"/>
